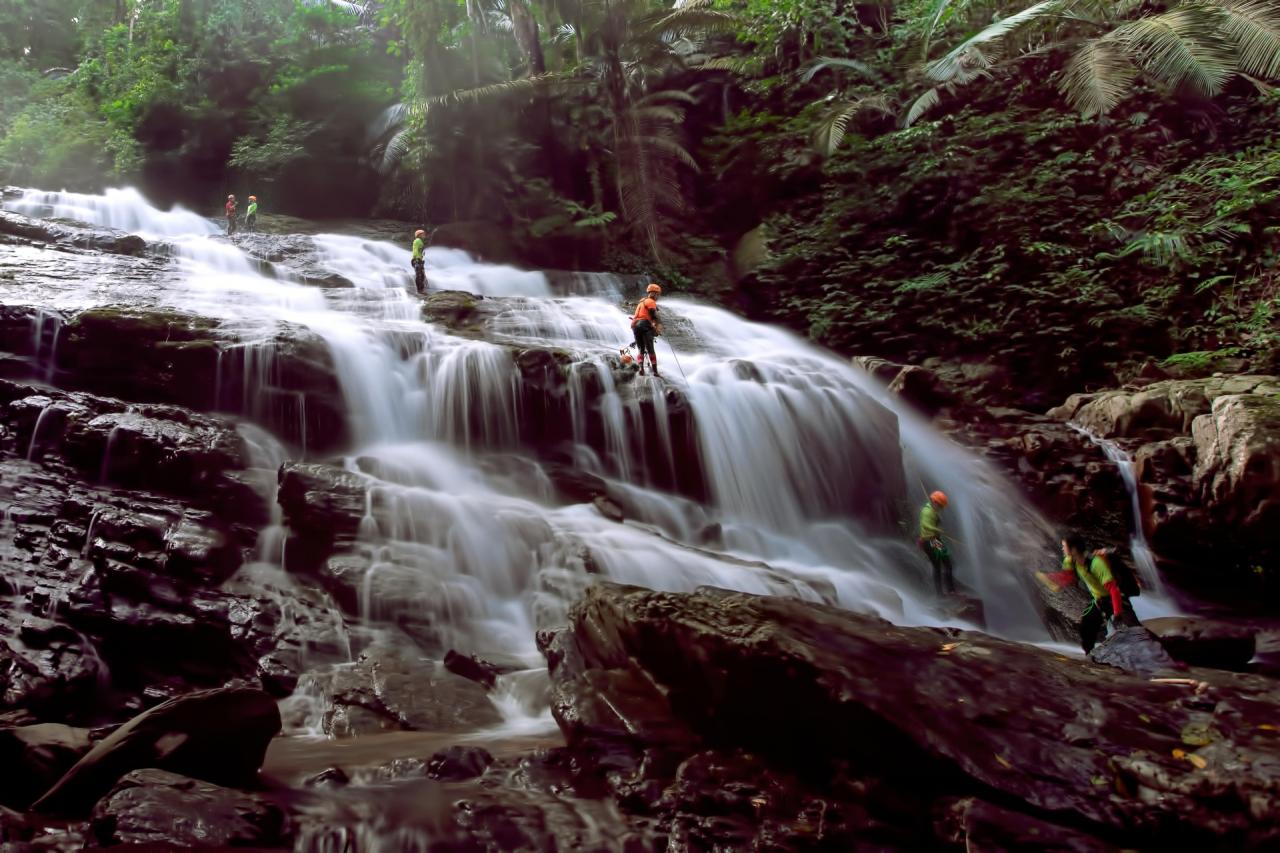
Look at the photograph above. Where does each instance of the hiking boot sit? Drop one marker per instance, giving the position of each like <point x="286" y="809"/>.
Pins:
<point x="655" y="371"/>
<point x="642" y="368"/>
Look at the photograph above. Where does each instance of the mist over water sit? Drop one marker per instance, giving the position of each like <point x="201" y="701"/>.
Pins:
<point x="814" y="475"/>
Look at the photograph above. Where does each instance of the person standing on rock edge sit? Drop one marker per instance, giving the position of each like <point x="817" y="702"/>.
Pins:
<point x="930" y="541"/>
<point x="645" y="325"/>
<point x="1106" y="603"/>
<point x="231" y="214"/>
<point x="419" y="263"/>
<point x="251" y="214"/>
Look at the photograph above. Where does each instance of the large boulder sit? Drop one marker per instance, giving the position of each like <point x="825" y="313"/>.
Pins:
<point x="155" y="807"/>
<point x="808" y="688"/>
<point x="218" y="735"/>
<point x="36" y="756"/>
<point x="1206" y="642"/>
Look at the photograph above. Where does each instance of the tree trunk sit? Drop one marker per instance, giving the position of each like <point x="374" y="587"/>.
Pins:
<point x="526" y="32"/>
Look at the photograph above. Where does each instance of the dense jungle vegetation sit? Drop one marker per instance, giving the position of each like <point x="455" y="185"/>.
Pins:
<point x="1068" y="188"/>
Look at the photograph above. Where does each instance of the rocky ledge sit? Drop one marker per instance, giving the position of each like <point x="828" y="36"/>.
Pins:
<point x="747" y="721"/>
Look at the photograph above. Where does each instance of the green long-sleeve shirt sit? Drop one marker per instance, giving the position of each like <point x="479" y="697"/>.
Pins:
<point x="253" y="208"/>
<point x="930" y="522"/>
<point x="418" y="246"/>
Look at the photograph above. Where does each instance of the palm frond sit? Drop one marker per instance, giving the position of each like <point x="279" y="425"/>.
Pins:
<point x="922" y="105"/>
<point x="1186" y="45"/>
<point x="661" y="95"/>
<point x="742" y="65"/>
<point x="657" y="113"/>
<point x="939" y="13"/>
<point x="1253" y="26"/>
<point x="1098" y="77"/>
<point x="831" y="130"/>
<point x="693" y="19"/>
<point x="670" y="145"/>
<point x="507" y="88"/>
<point x="824" y="62"/>
<point x="960" y="58"/>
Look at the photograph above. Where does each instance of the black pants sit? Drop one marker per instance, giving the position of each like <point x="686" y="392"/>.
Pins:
<point x="420" y="274"/>
<point x="251" y="222"/>
<point x="644" y="342"/>
<point x="231" y="225"/>
<point x="943" y="582"/>
<point x="1092" y="621"/>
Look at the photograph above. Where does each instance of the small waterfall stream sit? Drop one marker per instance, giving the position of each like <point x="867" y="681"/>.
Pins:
<point x="814" y="473"/>
<point x="1155" y="600"/>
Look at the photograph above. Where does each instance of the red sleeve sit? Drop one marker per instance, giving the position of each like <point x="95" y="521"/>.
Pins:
<point x="1064" y="578"/>
<point x="1117" y="604"/>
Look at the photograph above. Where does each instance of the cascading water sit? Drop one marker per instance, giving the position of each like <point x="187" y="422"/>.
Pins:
<point x="1154" y="600"/>
<point x="768" y="466"/>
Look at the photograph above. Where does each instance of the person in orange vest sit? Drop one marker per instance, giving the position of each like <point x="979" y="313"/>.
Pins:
<point x="645" y="325"/>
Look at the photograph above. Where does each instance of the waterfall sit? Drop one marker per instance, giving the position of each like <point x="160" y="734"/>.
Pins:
<point x="812" y="473"/>
<point x="1154" y="601"/>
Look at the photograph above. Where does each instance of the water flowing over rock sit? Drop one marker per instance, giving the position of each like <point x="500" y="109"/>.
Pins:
<point x="262" y="460"/>
<point x="645" y="679"/>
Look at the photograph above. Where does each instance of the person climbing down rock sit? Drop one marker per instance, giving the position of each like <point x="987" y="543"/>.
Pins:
<point x="231" y="214"/>
<point x="645" y="325"/>
<point x="419" y="264"/>
<point x="1106" y="605"/>
<point x="251" y="214"/>
<point x="930" y="541"/>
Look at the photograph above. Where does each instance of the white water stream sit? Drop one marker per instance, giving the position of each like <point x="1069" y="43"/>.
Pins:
<point x="811" y="467"/>
<point x="1154" y="600"/>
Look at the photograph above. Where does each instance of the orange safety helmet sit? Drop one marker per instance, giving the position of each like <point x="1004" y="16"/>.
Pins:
<point x="653" y="288"/>
<point x="253" y="198"/>
<point x="939" y="498"/>
<point x="419" y="233"/>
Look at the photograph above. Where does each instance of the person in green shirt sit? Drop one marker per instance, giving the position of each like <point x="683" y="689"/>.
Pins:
<point x="419" y="264"/>
<point x="251" y="214"/>
<point x="930" y="541"/>
<point x="1106" y="604"/>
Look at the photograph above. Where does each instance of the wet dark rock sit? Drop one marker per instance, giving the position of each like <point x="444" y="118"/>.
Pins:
<point x="454" y="309"/>
<point x="218" y="735"/>
<point x="1198" y="641"/>
<point x="609" y="508"/>
<point x="330" y="777"/>
<point x="36" y="756"/>
<point x="805" y="687"/>
<point x="393" y="689"/>
<point x="974" y="824"/>
<point x="574" y="485"/>
<point x="1135" y="649"/>
<point x="323" y="505"/>
<point x="919" y="386"/>
<point x="142" y="355"/>
<point x="472" y="668"/>
<point x="53" y="679"/>
<point x="100" y="239"/>
<point x="156" y="807"/>
<point x="457" y="763"/>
